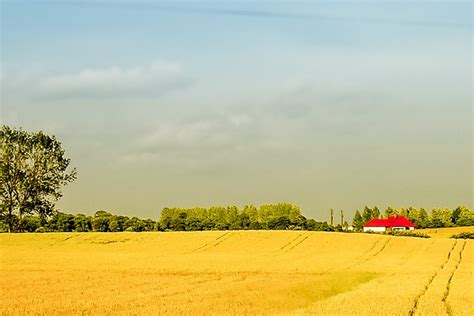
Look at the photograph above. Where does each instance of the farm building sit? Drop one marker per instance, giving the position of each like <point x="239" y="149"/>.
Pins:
<point x="389" y="224"/>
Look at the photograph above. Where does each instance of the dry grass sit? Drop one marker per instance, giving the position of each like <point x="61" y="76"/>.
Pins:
<point x="253" y="272"/>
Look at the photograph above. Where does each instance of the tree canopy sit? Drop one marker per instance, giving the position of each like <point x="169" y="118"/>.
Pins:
<point x="445" y="217"/>
<point x="33" y="170"/>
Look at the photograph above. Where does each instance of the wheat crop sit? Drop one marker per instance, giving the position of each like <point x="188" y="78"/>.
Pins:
<point x="234" y="272"/>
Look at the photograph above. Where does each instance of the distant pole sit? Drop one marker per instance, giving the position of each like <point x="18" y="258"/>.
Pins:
<point x="332" y="217"/>
<point x="342" y="218"/>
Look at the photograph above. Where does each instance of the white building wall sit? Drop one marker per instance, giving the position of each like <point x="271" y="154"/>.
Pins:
<point x="374" y="229"/>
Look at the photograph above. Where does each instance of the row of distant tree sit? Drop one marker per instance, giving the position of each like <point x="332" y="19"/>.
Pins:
<point x="282" y="216"/>
<point x="101" y="221"/>
<point x="444" y="217"/>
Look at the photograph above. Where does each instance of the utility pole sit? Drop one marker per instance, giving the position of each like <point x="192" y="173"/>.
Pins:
<point x="332" y="217"/>
<point x="342" y="218"/>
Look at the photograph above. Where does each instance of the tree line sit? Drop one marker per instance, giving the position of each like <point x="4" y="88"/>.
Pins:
<point x="443" y="217"/>
<point x="282" y="216"/>
<point x="101" y="221"/>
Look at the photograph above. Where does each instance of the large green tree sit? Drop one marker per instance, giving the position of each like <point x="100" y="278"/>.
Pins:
<point x="390" y="212"/>
<point x="367" y="214"/>
<point x="441" y="217"/>
<point x="33" y="171"/>
<point x="464" y="216"/>
<point x="358" y="221"/>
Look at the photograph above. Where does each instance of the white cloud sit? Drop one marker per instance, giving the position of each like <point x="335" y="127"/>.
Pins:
<point x="213" y="138"/>
<point x="187" y="134"/>
<point x="153" y="79"/>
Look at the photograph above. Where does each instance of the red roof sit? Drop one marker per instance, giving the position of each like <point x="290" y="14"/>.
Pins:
<point x="392" y="221"/>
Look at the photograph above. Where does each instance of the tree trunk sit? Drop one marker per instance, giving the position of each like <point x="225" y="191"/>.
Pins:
<point x="20" y="217"/>
<point x="10" y="215"/>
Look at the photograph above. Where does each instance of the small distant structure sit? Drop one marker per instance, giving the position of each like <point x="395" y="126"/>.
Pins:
<point x="392" y="223"/>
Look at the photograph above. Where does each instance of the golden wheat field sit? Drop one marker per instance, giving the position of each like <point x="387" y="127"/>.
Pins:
<point x="446" y="232"/>
<point x="234" y="272"/>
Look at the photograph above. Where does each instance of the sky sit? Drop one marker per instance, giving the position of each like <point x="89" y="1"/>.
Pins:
<point x="323" y="104"/>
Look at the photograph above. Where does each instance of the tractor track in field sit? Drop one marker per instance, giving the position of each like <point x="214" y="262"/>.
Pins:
<point x="219" y="240"/>
<point x="60" y="241"/>
<point x="360" y="257"/>
<point x="417" y="299"/>
<point x="448" y="285"/>
<point x="381" y="249"/>
<point x="371" y="257"/>
<point x="409" y="254"/>
<point x="405" y="260"/>
<point x="288" y="249"/>
<point x="371" y="248"/>
<point x="368" y="251"/>
<point x="288" y="244"/>
<point x="72" y="236"/>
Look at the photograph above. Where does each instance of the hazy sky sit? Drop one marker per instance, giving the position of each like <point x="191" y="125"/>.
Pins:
<point x="322" y="104"/>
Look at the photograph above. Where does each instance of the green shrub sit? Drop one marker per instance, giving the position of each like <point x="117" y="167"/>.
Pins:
<point x="466" y="235"/>
<point x="401" y="233"/>
<point x="408" y="234"/>
<point x="39" y="230"/>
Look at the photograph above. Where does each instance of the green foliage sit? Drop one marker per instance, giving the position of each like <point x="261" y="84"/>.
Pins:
<point x="403" y="233"/>
<point x="101" y="221"/>
<point x="390" y="212"/>
<point x="375" y="212"/>
<point x="29" y="223"/>
<point x="118" y="223"/>
<point x="408" y="234"/>
<point x="280" y="216"/>
<point x="456" y="213"/>
<point x="137" y="225"/>
<point x="366" y="214"/>
<point x="33" y="170"/>
<point x="61" y="222"/>
<point x="313" y="225"/>
<point x="358" y="221"/>
<point x="40" y="230"/>
<point x="82" y="223"/>
<point x="441" y="218"/>
<point x="460" y="216"/>
<point x="418" y="216"/>
<point x="3" y="226"/>
<point x="465" y="216"/>
<point x="280" y="223"/>
<point x="369" y="214"/>
<point x="466" y="235"/>
<point x="423" y="220"/>
<point x="255" y="226"/>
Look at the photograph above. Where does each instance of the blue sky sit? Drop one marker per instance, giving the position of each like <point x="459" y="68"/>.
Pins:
<point x="323" y="104"/>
